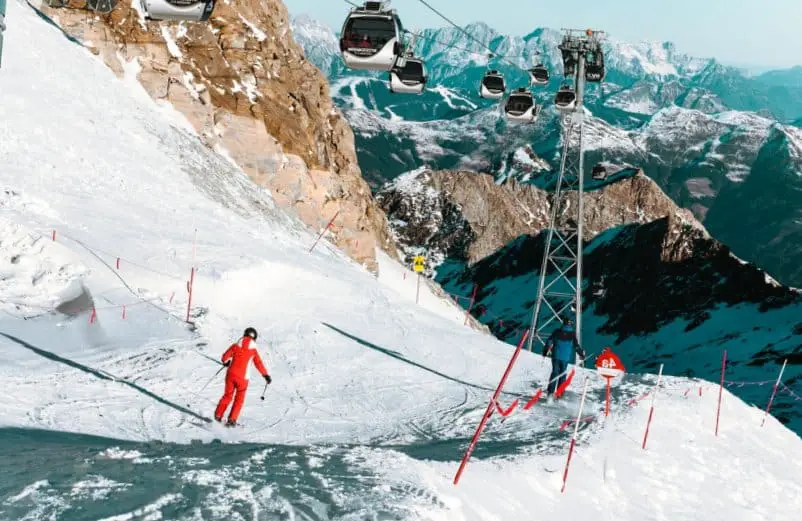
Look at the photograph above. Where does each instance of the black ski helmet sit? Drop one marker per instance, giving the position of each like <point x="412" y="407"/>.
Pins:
<point x="251" y="332"/>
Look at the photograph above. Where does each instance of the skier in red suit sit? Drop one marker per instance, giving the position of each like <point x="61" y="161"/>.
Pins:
<point x="238" y="360"/>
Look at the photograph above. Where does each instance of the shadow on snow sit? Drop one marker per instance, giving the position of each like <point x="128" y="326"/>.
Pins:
<point x="101" y="375"/>
<point x="398" y="356"/>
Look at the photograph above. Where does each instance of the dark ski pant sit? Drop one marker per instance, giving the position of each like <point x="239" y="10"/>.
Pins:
<point x="558" y="367"/>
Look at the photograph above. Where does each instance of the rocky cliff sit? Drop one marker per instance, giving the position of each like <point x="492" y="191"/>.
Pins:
<point x="245" y="86"/>
<point x="467" y="216"/>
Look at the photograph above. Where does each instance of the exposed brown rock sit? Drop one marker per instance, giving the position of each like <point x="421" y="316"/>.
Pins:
<point x="467" y="215"/>
<point x="245" y="85"/>
<point x="496" y="213"/>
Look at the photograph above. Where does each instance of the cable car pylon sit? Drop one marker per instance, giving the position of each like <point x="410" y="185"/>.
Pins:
<point x="560" y="282"/>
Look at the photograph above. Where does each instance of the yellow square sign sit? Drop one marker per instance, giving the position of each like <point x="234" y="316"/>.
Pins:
<point x="419" y="263"/>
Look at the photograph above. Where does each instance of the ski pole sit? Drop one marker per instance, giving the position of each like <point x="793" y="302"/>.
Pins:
<point x="263" y="392"/>
<point x="207" y="384"/>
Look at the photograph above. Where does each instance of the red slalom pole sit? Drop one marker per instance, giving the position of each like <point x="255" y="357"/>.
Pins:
<point x="490" y="408"/>
<point x="470" y="306"/>
<point x="721" y="388"/>
<point x="189" y="288"/>
<point x="324" y="231"/>
<point x="573" y="438"/>
<point x="774" y="392"/>
<point x="651" y="409"/>
<point x="54" y="235"/>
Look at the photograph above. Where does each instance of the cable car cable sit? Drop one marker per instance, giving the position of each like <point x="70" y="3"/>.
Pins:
<point x="452" y="46"/>
<point x="469" y="35"/>
<point x="435" y="40"/>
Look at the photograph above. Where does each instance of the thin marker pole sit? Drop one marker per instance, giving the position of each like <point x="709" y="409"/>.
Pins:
<point x="470" y="306"/>
<point x="651" y="410"/>
<point x="774" y="392"/>
<point x="490" y="408"/>
<point x="324" y="231"/>
<point x="189" y="289"/>
<point x="720" y="389"/>
<point x="573" y="438"/>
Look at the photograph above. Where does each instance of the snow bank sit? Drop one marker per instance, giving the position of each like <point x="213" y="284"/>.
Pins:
<point x="682" y="475"/>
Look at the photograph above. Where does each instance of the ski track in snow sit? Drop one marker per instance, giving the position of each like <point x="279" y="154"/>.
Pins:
<point x="354" y="359"/>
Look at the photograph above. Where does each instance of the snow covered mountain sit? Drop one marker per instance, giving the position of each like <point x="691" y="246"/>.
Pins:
<point x="700" y="129"/>
<point x="658" y="287"/>
<point x="373" y="398"/>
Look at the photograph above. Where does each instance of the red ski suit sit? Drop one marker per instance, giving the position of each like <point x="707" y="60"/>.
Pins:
<point x="240" y="355"/>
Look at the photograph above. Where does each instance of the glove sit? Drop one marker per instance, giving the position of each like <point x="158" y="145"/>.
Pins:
<point x="581" y="362"/>
<point x="227" y="363"/>
<point x="268" y="379"/>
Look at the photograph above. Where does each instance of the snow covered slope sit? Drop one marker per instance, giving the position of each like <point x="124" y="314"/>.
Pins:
<point x="324" y="320"/>
<point x="353" y="361"/>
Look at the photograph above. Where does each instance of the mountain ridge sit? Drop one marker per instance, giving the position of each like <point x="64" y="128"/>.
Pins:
<point x="695" y="125"/>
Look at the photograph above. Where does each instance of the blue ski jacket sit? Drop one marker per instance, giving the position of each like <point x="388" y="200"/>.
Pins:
<point x="563" y="344"/>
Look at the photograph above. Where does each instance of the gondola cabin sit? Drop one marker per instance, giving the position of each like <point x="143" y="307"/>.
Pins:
<point x="371" y="38"/>
<point x="565" y="98"/>
<point x="408" y="76"/>
<point x="539" y="75"/>
<point x="570" y="59"/>
<point x="191" y="10"/>
<point x="594" y="67"/>
<point x="521" y="107"/>
<point x="492" y="85"/>
<point x="599" y="172"/>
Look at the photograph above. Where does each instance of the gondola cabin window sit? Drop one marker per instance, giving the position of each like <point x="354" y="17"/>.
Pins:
<point x="494" y="82"/>
<point x="367" y="35"/>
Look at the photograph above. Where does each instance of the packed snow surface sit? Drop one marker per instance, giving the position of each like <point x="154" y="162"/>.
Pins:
<point x="354" y="359"/>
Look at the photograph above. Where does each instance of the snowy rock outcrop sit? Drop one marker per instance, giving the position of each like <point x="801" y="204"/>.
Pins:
<point x="460" y="215"/>
<point x="247" y="89"/>
<point x="467" y="216"/>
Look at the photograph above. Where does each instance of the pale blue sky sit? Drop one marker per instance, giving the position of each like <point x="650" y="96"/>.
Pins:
<point x="739" y="32"/>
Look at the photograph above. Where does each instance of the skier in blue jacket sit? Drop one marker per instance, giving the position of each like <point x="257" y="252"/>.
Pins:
<point x="563" y="347"/>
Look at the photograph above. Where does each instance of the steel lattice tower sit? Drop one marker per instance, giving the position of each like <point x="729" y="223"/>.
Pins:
<point x="558" y="291"/>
